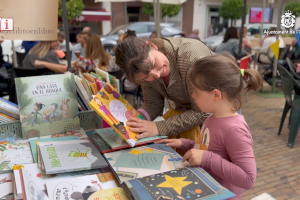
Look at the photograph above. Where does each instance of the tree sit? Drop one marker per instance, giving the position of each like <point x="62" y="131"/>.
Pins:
<point x="167" y="9"/>
<point x="23" y="98"/>
<point x="74" y="8"/>
<point x="294" y="7"/>
<point x="232" y="9"/>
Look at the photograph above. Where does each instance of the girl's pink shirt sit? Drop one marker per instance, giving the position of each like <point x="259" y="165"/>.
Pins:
<point x="229" y="159"/>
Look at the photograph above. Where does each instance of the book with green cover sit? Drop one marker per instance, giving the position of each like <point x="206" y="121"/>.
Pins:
<point x="71" y="157"/>
<point x="116" y="142"/>
<point x="33" y="143"/>
<point x="47" y="104"/>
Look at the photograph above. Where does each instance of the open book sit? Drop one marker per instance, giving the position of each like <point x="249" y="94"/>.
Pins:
<point x="116" y="142"/>
<point x="115" y="110"/>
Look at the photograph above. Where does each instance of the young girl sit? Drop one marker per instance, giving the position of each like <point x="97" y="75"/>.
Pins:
<point x="224" y="146"/>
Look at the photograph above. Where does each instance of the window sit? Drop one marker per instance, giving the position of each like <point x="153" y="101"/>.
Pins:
<point x="139" y="28"/>
<point x="256" y="12"/>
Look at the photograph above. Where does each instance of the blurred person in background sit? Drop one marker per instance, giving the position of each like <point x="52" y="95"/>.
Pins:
<point x="154" y="34"/>
<point x="79" y="48"/>
<point x="265" y="51"/>
<point x="87" y="30"/>
<point x="42" y="55"/>
<point x="231" y="43"/>
<point x="194" y="35"/>
<point x="62" y="43"/>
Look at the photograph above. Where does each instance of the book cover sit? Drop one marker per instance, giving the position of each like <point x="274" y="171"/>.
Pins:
<point x="116" y="142"/>
<point x="48" y="104"/>
<point x="71" y="157"/>
<point x="33" y="143"/>
<point x="31" y="190"/>
<point x="39" y="144"/>
<point x="108" y="194"/>
<point x="144" y="161"/>
<point x="115" y="110"/>
<point x="14" y="154"/>
<point x="73" y="188"/>
<point x="99" y="142"/>
<point x="185" y="183"/>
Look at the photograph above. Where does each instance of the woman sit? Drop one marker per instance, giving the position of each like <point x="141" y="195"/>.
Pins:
<point x="269" y="39"/>
<point x="43" y="55"/>
<point x="231" y="43"/>
<point x="161" y="67"/>
<point x="95" y="51"/>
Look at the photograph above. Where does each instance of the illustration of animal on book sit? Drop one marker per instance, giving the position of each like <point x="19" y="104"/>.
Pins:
<point x="47" y="104"/>
<point x="115" y="110"/>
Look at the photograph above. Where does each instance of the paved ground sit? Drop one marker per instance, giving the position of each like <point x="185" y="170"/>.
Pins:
<point x="278" y="166"/>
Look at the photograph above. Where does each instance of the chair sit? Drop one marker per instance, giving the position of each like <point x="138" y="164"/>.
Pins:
<point x="24" y="72"/>
<point x="288" y="85"/>
<point x="20" y="58"/>
<point x="244" y="63"/>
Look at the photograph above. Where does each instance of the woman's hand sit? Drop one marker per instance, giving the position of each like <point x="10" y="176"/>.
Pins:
<point x="176" y="143"/>
<point x="193" y="156"/>
<point x="145" y="128"/>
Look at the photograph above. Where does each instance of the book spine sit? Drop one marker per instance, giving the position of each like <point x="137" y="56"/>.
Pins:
<point x="9" y="114"/>
<point x="9" y="102"/>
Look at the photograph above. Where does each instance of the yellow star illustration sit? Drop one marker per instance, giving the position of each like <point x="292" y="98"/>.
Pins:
<point x="176" y="183"/>
<point x="136" y="152"/>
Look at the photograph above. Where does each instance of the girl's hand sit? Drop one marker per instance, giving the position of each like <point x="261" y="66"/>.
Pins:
<point x="176" y="143"/>
<point x="193" y="156"/>
<point x="38" y="63"/>
<point x="145" y="128"/>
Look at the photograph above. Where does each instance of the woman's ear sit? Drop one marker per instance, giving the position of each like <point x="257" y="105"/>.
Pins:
<point x="217" y="95"/>
<point x="152" y="45"/>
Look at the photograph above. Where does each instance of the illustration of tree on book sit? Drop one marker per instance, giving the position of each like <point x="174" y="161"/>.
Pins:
<point x="115" y="110"/>
<point x="47" y="104"/>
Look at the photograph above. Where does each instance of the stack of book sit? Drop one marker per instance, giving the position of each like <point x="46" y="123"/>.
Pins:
<point x="8" y="111"/>
<point x="59" y="160"/>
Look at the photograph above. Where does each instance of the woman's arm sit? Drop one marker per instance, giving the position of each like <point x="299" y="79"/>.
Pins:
<point x="241" y="171"/>
<point x="53" y="67"/>
<point x="153" y="102"/>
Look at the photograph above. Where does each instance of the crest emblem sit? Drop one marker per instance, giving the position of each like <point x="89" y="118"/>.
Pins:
<point x="288" y="19"/>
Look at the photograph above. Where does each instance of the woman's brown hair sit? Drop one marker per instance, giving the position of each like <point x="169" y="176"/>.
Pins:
<point x="95" y="50"/>
<point x="221" y="72"/>
<point x="132" y="56"/>
<point x="230" y="33"/>
<point x="41" y="49"/>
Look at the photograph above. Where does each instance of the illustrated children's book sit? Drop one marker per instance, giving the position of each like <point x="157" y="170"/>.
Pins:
<point x="71" y="157"/>
<point x="115" y="110"/>
<point x="116" y="142"/>
<point x="73" y="188"/>
<point x="33" y="143"/>
<point x="99" y="142"/>
<point x="14" y="154"/>
<point x="47" y="104"/>
<point x="144" y="161"/>
<point x="108" y="194"/>
<point x="185" y="183"/>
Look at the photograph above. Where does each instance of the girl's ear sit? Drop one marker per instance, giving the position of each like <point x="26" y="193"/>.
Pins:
<point x="217" y="95"/>
<point x="152" y="45"/>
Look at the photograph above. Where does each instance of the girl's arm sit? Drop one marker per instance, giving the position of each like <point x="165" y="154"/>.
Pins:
<point x="187" y="144"/>
<point x="247" y="43"/>
<point x="241" y="171"/>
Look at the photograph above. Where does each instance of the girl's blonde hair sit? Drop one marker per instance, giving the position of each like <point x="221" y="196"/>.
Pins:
<point x="221" y="72"/>
<point x="41" y="49"/>
<point x="95" y="50"/>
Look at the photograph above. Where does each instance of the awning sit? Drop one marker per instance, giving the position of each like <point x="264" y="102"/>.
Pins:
<point x="91" y="15"/>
